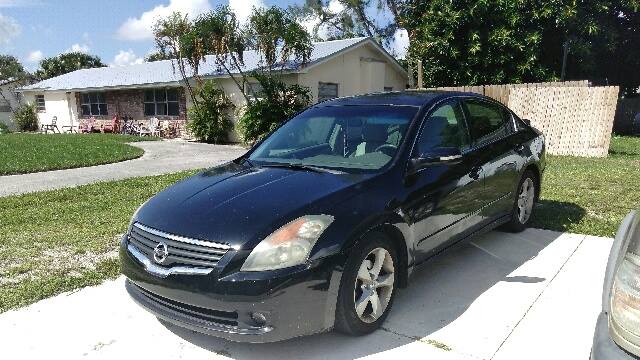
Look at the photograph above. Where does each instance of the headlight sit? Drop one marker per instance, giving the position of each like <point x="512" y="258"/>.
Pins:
<point x="625" y="296"/>
<point x="288" y="246"/>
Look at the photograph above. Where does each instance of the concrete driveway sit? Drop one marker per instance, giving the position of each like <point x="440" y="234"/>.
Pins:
<point x="533" y="295"/>
<point x="160" y="157"/>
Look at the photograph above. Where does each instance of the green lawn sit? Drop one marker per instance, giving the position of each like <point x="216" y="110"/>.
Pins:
<point x="58" y="240"/>
<point x="54" y="241"/>
<point x="591" y="195"/>
<point x="27" y="153"/>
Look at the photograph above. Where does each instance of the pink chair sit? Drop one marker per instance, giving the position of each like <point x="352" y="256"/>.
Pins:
<point x="86" y="126"/>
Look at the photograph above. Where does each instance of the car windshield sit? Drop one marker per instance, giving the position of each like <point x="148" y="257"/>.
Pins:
<point x="344" y="137"/>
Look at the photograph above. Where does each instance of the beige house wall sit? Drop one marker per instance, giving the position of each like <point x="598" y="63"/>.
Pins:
<point x="359" y="71"/>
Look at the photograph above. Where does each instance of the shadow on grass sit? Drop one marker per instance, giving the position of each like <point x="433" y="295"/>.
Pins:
<point x="556" y="215"/>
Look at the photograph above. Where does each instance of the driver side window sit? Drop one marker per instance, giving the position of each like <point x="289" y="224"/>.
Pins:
<point x="444" y="128"/>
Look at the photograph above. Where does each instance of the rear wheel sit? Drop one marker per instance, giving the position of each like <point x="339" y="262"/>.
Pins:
<point x="523" y="206"/>
<point x="368" y="286"/>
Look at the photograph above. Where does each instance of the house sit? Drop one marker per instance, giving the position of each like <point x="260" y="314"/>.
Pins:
<point x="143" y="91"/>
<point x="9" y="101"/>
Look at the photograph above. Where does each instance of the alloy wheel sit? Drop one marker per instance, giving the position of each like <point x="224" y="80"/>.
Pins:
<point x="525" y="200"/>
<point x="374" y="285"/>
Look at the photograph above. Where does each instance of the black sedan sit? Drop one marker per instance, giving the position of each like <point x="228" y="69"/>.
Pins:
<point x="617" y="334"/>
<point x="318" y="225"/>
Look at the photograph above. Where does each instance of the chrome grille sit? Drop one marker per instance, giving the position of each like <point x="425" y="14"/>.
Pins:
<point x="182" y="250"/>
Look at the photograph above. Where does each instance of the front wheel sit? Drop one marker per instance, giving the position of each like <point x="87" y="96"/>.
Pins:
<point x="368" y="286"/>
<point x="523" y="206"/>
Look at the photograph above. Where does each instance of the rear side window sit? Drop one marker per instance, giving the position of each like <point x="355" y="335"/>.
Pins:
<point x="444" y="128"/>
<point x="487" y="121"/>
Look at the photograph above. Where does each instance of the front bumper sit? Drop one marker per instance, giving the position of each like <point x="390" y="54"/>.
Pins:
<point x="294" y="302"/>
<point x="604" y="348"/>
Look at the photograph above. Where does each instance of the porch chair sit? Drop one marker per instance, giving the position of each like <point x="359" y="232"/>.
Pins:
<point x="112" y="127"/>
<point x="154" y="127"/>
<point x="86" y="126"/>
<point x="53" y="126"/>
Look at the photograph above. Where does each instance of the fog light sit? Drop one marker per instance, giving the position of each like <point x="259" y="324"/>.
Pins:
<point x="259" y="318"/>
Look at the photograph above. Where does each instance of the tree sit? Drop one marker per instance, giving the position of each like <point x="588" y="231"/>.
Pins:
<point x="472" y="42"/>
<point x="158" y="56"/>
<point x="10" y="68"/>
<point x="167" y="33"/>
<point x="603" y="41"/>
<point x="342" y="19"/>
<point x="274" y="34"/>
<point x="275" y="103"/>
<point x="66" y="63"/>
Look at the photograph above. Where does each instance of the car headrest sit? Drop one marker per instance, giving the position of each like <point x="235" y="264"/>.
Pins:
<point x="375" y="133"/>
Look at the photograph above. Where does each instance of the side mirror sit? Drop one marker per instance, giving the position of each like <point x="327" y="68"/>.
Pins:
<point x="526" y="121"/>
<point x="449" y="155"/>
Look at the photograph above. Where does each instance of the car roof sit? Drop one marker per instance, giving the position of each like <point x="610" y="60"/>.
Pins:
<point x="405" y="98"/>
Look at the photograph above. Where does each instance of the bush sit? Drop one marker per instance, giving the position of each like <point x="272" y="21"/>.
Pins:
<point x="277" y="102"/>
<point x="4" y="129"/>
<point x="26" y="118"/>
<point x="210" y="119"/>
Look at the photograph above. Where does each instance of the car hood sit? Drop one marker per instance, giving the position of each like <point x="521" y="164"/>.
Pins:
<point x="239" y="206"/>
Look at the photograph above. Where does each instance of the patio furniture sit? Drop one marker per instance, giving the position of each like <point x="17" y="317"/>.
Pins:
<point x="70" y="129"/>
<point x="113" y="126"/>
<point x="154" y="127"/>
<point x="86" y="126"/>
<point x="167" y="129"/>
<point x="53" y="126"/>
<point x="151" y="130"/>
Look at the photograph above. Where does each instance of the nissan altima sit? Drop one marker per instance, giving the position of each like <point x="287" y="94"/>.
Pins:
<point x="320" y="224"/>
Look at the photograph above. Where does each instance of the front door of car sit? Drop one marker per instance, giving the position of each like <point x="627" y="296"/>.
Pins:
<point x="442" y="193"/>
<point x="491" y="132"/>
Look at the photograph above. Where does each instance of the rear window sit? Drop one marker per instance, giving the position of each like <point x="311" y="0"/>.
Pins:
<point x="487" y="121"/>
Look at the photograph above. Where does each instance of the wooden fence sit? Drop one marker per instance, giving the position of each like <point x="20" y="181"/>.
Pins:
<point x="576" y="119"/>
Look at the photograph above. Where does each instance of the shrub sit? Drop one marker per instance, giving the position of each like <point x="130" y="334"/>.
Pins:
<point x="26" y="118"/>
<point x="210" y="119"/>
<point x="4" y="129"/>
<point x="276" y="103"/>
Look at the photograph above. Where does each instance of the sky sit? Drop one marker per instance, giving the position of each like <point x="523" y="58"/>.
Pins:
<point x="118" y="31"/>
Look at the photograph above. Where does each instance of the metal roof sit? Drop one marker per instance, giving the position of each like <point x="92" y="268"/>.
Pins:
<point x="152" y="73"/>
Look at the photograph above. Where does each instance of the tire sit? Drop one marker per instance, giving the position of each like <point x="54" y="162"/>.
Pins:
<point x="374" y="246"/>
<point x="526" y="195"/>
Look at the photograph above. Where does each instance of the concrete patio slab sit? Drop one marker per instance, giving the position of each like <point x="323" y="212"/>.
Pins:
<point x="160" y="157"/>
<point x="503" y="296"/>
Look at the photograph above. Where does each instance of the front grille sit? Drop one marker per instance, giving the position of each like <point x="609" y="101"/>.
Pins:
<point x="182" y="250"/>
<point x="228" y="318"/>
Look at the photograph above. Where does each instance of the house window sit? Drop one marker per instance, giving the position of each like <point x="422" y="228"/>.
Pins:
<point x="4" y="105"/>
<point x="388" y="88"/>
<point x="254" y="90"/>
<point x="161" y="102"/>
<point x="327" y="91"/>
<point x="40" y="103"/>
<point x="93" y="104"/>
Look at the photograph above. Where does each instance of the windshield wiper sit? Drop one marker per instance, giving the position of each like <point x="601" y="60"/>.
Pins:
<point x="296" y="166"/>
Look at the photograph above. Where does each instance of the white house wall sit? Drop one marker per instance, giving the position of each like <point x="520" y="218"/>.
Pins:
<point x="8" y="93"/>
<point x="57" y="103"/>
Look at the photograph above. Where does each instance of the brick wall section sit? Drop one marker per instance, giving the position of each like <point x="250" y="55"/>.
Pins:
<point x="130" y="102"/>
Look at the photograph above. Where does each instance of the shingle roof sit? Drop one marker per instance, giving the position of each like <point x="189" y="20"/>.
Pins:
<point x="162" y="71"/>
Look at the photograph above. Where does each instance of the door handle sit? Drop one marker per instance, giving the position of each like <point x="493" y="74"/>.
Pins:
<point x="475" y="172"/>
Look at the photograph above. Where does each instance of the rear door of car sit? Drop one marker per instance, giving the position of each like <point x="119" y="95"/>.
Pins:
<point x="443" y="197"/>
<point x="491" y="130"/>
